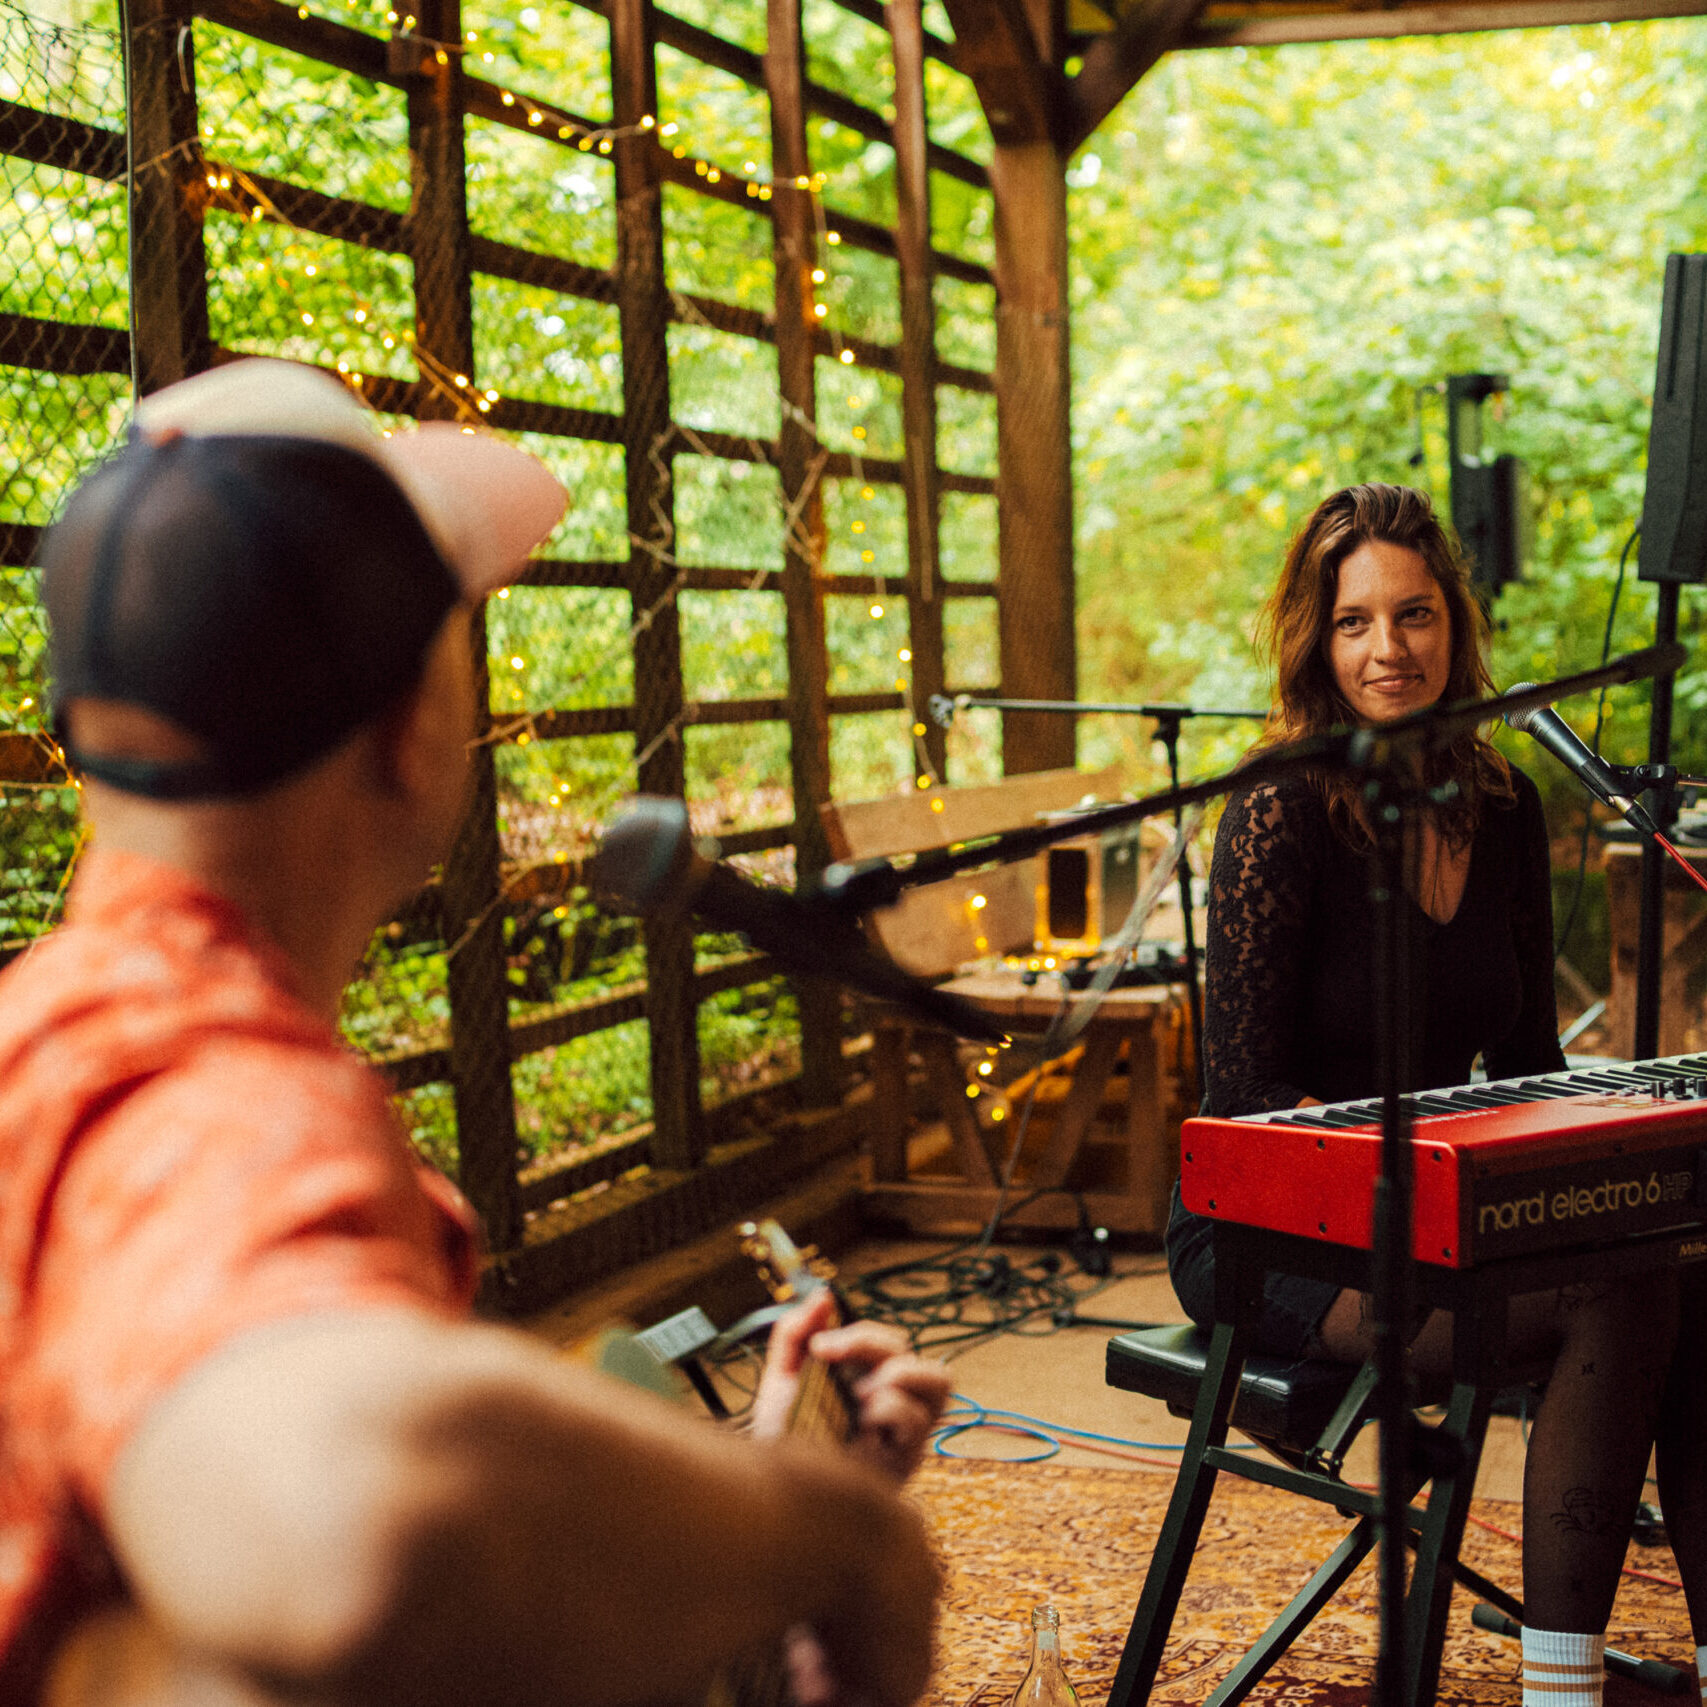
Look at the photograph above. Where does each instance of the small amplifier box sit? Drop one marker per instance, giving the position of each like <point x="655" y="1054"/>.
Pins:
<point x="1085" y="890"/>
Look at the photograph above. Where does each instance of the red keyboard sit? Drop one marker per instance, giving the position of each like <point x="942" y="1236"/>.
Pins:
<point x="1503" y="1168"/>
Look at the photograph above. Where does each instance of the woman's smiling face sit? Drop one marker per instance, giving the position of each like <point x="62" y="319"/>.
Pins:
<point x="1389" y="641"/>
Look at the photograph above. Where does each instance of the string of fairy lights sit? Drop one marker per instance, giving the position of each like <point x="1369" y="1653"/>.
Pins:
<point x="471" y="402"/>
<point x="366" y="321"/>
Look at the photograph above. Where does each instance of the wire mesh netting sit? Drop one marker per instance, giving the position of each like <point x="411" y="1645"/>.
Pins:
<point x="62" y="307"/>
<point x="275" y="197"/>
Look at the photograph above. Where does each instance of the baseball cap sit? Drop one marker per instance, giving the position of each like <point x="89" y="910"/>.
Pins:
<point x="265" y="568"/>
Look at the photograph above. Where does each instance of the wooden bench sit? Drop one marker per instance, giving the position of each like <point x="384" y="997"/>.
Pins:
<point x="1107" y="1136"/>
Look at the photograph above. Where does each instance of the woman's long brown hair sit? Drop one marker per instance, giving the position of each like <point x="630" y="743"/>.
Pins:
<point x="1295" y="627"/>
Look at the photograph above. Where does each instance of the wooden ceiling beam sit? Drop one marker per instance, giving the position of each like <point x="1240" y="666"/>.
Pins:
<point x="1115" y="61"/>
<point x="1420" y="20"/>
<point x="1024" y="96"/>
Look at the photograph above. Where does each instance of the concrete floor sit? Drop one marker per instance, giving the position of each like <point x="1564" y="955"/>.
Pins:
<point x="1058" y="1376"/>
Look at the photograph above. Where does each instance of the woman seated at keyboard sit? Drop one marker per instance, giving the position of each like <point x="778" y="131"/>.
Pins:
<point x="1374" y="619"/>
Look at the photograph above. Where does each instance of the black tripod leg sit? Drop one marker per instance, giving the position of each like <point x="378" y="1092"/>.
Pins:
<point x="1153" y="1621"/>
<point x="1285" y="1630"/>
<point x="1453" y="1481"/>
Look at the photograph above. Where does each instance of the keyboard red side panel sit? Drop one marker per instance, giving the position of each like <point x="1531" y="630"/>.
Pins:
<point x="1321" y="1184"/>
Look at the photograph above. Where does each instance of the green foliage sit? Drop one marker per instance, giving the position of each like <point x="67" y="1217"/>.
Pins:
<point x="1275" y="250"/>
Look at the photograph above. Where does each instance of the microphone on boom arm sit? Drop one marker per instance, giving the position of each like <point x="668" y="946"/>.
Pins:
<point x="647" y="863"/>
<point x="1546" y="726"/>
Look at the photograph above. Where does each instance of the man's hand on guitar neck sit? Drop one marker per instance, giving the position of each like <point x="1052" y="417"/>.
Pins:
<point x="899" y="1396"/>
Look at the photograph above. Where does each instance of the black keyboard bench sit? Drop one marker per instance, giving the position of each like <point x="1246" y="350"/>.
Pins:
<point x="1306" y="1413"/>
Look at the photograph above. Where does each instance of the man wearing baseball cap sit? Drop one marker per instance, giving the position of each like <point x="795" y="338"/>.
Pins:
<point x="250" y="1445"/>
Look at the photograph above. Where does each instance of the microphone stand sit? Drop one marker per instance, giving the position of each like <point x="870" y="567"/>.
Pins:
<point x="1168" y="719"/>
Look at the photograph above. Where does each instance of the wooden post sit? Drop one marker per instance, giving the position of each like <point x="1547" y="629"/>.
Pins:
<point x="474" y="926"/>
<point x="801" y="460"/>
<point x="918" y="371"/>
<point x="1034" y="482"/>
<point x="168" y="287"/>
<point x="643" y="308"/>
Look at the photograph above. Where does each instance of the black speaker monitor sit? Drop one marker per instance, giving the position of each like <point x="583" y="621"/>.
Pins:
<point x="1674" y="508"/>
<point x="1488" y="511"/>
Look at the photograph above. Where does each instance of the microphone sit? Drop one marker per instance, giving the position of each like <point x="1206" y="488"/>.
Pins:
<point x="647" y="863"/>
<point x="1545" y="725"/>
<point x="942" y="708"/>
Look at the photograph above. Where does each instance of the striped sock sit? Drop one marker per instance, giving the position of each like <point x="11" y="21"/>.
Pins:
<point x="1561" y="1668"/>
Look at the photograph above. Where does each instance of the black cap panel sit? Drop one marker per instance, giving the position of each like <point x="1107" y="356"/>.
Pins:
<point x="268" y="595"/>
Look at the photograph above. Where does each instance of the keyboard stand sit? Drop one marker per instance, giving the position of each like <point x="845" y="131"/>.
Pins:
<point x="1446" y="1454"/>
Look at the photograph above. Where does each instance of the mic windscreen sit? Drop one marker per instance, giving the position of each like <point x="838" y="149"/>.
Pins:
<point x="1524" y="721"/>
<point x="643" y="857"/>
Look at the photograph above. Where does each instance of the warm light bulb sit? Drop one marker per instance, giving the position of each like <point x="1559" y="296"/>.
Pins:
<point x="820" y="310"/>
<point x="919" y="731"/>
<point x="670" y="129"/>
<point x="876" y="612"/>
<point x="905" y="655"/>
<point x="936" y="805"/>
<point x="847" y="358"/>
<point x="818" y="275"/>
<point x="979" y="903"/>
<point x="833" y="238"/>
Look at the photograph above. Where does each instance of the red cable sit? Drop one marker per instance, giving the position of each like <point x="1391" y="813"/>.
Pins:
<point x="1695" y="876"/>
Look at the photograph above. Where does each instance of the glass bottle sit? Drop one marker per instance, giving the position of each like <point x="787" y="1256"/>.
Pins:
<point x="1045" y="1684"/>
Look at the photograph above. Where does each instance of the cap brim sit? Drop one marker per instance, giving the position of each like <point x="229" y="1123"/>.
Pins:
<point x="486" y="502"/>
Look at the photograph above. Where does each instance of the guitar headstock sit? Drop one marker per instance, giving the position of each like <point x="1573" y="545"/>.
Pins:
<point x="789" y="1271"/>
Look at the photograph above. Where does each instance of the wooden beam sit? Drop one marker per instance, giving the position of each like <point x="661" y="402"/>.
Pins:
<point x="643" y="302"/>
<point x="801" y="462"/>
<point x="1023" y="95"/>
<point x="168" y="299"/>
<point x="59" y="346"/>
<point x="1114" y="62"/>
<point x="918" y="372"/>
<point x="1034" y="485"/>
<point x="475" y="972"/>
<point x="1217" y="29"/>
<point x="69" y="145"/>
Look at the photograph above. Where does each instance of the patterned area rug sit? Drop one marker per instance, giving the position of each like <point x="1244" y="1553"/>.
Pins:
<point x="1012" y="1535"/>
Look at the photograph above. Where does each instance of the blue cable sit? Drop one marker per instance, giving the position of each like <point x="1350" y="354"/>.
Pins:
<point x="976" y="1415"/>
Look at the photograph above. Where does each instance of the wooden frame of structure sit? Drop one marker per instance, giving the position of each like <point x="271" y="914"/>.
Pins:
<point x="1047" y="73"/>
<point x="691" y="1178"/>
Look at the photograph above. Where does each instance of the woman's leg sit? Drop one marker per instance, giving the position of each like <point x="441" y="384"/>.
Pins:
<point x="1588" y="1451"/>
<point x="1682" y="1449"/>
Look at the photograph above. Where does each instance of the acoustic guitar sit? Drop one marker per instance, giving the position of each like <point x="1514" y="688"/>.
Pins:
<point x="118" y="1658"/>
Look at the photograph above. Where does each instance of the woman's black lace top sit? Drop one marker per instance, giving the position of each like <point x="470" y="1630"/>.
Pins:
<point x="1291" y="999"/>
